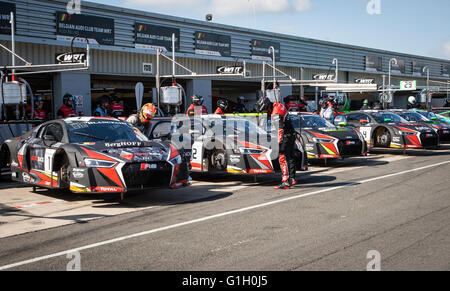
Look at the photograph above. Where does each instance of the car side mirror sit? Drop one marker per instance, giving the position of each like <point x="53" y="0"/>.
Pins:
<point x="363" y="121"/>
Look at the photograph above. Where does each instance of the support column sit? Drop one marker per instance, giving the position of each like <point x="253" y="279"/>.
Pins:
<point x="75" y="83"/>
<point x="285" y="91"/>
<point x="202" y="88"/>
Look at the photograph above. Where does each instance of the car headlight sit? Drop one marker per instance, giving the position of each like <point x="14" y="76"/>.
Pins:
<point x="322" y="140"/>
<point x="406" y="133"/>
<point x="93" y="163"/>
<point x="249" y="151"/>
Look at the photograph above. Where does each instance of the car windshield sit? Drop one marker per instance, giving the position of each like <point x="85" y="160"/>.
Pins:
<point x="310" y="121"/>
<point x="386" y="117"/>
<point x="413" y="116"/>
<point x="101" y="131"/>
<point x="243" y="126"/>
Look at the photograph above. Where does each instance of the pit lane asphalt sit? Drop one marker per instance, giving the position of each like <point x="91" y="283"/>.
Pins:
<point x="404" y="217"/>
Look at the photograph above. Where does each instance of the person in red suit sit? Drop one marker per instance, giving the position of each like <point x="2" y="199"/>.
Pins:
<point x="222" y="105"/>
<point x="39" y="112"/>
<point x="278" y="114"/>
<point x="67" y="110"/>
<point x="290" y="103"/>
<point x="196" y="106"/>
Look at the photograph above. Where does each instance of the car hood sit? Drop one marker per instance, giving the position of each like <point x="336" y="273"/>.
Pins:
<point x="146" y="151"/>
<point x="339" y="133"/>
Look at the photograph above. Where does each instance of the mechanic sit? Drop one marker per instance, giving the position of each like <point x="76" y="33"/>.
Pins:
<point x="412" y="103"/>
<point x="39" y="112"/>
<point x="377" y="105"/>
<point x="365" y="105"/>
<point x="117" y="108"/>
<point x="67" y="110"/>
<point x="196" y="106"/>
<point x="102" y="109"/>
<point x="286" y="139"/>
<point x="240" y="106"/>
<point x="328" y="111"/>
<point x="290" y="103"/>
<point x="447" y="103"/>
<point x="142" y="119"/>
<point x="222" y="106"/>
<point x="303" y="105"/>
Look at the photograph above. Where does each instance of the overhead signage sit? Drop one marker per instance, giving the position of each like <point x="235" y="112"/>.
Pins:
<point x="374" y="64"/>
<point x="323" y="77"/>
<point x="147" y="68"/>
<point x="260" y="50"/>
<point x="5" y="13"/>
<point x="155" y="37"/>
<point x="68" y="58"/>
<point x="98" y="30"/>
<point x="367" y="81"/>
<point x="227" y="70"/>
<point x="418" y="68"/>
<point x="408" y="85"/>
<point x="399" y="67"/>
<point x="213" y="44"/>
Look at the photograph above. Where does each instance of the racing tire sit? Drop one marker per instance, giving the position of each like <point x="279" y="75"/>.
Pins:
<point x="384" y="139"/>
<point x="5" y="162"/>
<point x="64" y="172"/>
<point x="219" y="160"/>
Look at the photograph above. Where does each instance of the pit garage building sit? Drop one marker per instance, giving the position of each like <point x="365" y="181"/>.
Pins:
<point x="123" y="43"/>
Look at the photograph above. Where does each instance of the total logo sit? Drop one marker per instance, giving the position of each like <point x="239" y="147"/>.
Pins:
<point x="108" y="189"/>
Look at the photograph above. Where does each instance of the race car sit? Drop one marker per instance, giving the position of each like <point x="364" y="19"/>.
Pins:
<point x="223" y="144"/>
<point x="389" y="130"/>
<point x="92" y="155"/>
<point x="442" y="128"/>
<point x="440" y="116"/>
<point x="324" y="140"/>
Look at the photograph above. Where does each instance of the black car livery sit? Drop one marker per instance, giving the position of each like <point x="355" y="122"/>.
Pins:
<point x="389" y="130"/>
<point x="323" y="140"/>
<point x="94" y="155"/>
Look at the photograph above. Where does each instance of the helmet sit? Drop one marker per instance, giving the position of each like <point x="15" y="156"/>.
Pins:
<point x="38" y="98"/>
<point x="263" y="104"/>
<point x="197" y="100"/>
<point x="148" y="111"/>
<point x="241" y="98"/>
<point x="67" y="97"/>
<point x="366" y="102"/>
<point x="223" y="104"/>
<point x="412" y="100"/>
<point x="103" y="99"/>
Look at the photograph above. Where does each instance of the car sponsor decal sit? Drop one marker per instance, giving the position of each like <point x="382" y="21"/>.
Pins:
<point x="145" y="167"/>
<point x="123" y="144"/>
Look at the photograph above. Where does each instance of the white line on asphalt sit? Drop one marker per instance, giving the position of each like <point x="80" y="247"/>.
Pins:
<point x="212" y="217"/>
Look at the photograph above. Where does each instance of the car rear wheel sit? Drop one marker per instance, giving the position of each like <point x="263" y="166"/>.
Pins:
<point x="64" y="172"/>
<point x="384" y="139"/>
<point x="219" y="159"/>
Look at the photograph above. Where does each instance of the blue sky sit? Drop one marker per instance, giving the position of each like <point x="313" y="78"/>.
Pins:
<point x="408" y="26"/>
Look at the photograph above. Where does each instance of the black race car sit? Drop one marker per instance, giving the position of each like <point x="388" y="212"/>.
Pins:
<point x="442" y="128"/>
<point x="389" y="130"/>
<point x="212" y="143"/>
<point x="93" y="155"/>
<point x="323" y="140"/>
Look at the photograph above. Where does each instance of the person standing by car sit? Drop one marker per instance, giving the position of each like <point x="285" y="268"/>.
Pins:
<point x="102" y="107"/>
<point x="196" y="106"/>
<point x="117" y="108"/>
<point x="290" y="103"/>
<point x="67" y="110"/>
<point x="377" y="105"/>
<point x="278" y="114"/>
<point x="365" y="105"/>
<point x="240" y="106"/>
<point x="222" y="105"/>
<point x="142" y="119"/>
<point x="303" y="105"/>
<point x="39" y="112"/>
